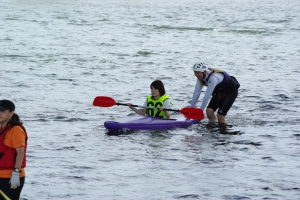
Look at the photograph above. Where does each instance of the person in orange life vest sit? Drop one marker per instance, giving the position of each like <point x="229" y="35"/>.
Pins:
<point x="221" y="86"/>
<point x="158" y="99"/>
<point x="13" y="145"/>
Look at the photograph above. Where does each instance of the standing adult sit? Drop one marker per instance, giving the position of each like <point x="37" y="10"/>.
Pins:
<point x="13" y="144"/>
<point x="222" y="87"/>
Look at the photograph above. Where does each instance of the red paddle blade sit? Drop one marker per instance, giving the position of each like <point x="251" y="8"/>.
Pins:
<point x="104" y="101"/>
<point x="192" y="113"/>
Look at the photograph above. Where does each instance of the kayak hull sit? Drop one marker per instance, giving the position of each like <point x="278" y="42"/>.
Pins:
<point x="147" y="123"/>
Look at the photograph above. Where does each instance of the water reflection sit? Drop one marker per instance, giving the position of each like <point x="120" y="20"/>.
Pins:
<point x="215" y="127"/>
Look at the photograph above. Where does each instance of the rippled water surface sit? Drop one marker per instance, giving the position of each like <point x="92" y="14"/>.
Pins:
<point x="57" y="56"/>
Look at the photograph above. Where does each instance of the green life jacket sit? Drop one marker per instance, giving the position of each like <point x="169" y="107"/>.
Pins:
<point x="156" y="103"/>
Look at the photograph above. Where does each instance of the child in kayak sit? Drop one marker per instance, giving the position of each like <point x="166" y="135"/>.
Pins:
<point x="158" y="99"/>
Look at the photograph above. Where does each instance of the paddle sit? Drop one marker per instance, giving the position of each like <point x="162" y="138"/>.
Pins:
<point x="4" y="195"/>
<point x="192" y="113"/>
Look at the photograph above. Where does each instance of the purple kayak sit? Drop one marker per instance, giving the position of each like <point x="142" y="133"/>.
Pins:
<point x="148" y="123"/>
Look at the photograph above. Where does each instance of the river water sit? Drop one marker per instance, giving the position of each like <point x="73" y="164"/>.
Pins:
<point x="57" y="56"/>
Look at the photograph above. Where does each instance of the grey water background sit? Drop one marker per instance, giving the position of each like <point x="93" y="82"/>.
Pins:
<point x="57" y="56"/>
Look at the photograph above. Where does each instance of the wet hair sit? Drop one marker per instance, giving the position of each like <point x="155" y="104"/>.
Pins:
<point x="15" y="120"/>
<point x="158" y="84"/>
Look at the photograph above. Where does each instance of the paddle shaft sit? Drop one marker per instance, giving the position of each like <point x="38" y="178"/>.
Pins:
<point x="4" y="195"/>
<point x="165" y="109"/>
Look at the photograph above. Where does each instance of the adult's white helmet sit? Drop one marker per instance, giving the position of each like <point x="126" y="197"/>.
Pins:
<point x="200" y="67"/>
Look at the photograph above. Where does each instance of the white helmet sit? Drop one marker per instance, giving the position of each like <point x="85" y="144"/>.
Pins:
<point x="200" y="67"/>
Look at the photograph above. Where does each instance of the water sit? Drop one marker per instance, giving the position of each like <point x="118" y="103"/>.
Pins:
<point x="57" y="56"/>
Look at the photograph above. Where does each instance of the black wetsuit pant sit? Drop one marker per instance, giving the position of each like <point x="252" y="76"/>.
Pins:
<point x="13" y="194"/>
<point x="223" y="102"/>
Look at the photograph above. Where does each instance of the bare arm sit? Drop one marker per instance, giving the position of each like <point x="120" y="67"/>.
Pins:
<point x="168" y="114"/>
<point x="20" y="156"/>
<point x="167" y="104"/>
<point x="137" y="111"/>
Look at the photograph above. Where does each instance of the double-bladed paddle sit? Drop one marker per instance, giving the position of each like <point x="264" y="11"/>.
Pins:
<point x="192" y="113"/>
